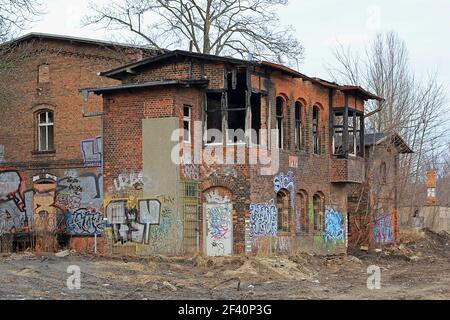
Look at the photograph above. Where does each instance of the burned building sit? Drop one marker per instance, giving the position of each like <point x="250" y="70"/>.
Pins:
<point x="234" y="157"/>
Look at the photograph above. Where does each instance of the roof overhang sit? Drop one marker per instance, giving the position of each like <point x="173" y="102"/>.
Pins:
<point x="145" y="85"/>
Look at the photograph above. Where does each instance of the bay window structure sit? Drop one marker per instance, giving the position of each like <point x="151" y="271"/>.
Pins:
<point x="348" y="133"/>
<point x="45" y="131"/>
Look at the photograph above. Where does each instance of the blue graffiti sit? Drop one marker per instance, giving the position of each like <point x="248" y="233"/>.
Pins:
<point x="334" y="227"/>
<point x="382" y="231"/>
<point x="263" y="219"/>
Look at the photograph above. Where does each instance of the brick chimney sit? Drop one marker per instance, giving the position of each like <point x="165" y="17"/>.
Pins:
<point x="431" y="187"/>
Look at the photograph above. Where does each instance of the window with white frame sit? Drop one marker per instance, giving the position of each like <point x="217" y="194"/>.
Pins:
<point x="45" y="121"/>
<point x="187" y="123"/>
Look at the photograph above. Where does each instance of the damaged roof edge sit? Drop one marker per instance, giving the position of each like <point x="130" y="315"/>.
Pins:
<point x="145" y="85"/>
<point x="117" y="72"/>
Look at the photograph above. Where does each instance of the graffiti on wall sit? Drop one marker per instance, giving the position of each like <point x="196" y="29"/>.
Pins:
<point x="84" y="222"/>
<point x="127" y="181"/>
<point x="285" y="181"/>
<point x="191" y="172"/>
<point x="263" y="219"/>
<point x="215" y="197"/>
<point x="91" y="150"/>
<point x="130" y="221"/>
<point x="11" y="187"/>
<point x="219" y="240"/>
<point x="383" y="229"/>
<point x="44" y="207"/>
<point x="334" y="229"/>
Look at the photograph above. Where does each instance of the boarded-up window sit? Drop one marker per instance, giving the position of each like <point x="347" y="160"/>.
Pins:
<point x="44" y="73"/>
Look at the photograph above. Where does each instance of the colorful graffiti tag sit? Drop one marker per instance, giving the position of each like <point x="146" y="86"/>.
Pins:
<point x="219" y="229"/>
<point x="383" y="229"/>
<point x="263" y="219"/>
<point x="91" y="150"/>
<point x="84" y="222"/>
<point x="334" y="231"/>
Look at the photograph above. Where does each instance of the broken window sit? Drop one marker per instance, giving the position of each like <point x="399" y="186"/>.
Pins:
<point x="352" y="134"/>
<point x="316" y="123"/>
<point x="187" y="123"/>
<point x="256" y="117"/>
<point x="283" y="205"/>
<point x="298" y="126"/>
<point x="229" y="109"/>
<point x="237" y="106"/>
<point x="45" y="131"/>
<point x="280" y="121"/>
<point x="338" y="136"/>
<point x="214" y="118"/>
<point x="319" y="208"/>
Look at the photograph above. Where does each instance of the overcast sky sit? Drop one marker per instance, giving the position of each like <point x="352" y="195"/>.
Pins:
<point x="424" y="25"/>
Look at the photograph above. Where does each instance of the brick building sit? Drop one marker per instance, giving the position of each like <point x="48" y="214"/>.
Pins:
<point x="50" y="152"/>
<point x="266" y="159"/>
<point x="373" y="208"/>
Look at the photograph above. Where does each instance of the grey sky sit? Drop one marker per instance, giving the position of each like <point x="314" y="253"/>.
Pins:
<point x="424" y="25"/>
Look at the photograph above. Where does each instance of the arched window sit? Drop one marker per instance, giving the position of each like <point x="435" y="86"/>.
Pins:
<point x="280" y="103"/>
<point x="315" y="127"/>
<point x="319" y="211"/>
<point x="45" y="130"/>
<point x="298" y="126"/>
<point x="283" y="206"/>
<point x="302" y="207"/>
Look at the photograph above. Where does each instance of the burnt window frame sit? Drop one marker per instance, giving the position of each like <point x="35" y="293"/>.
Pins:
<point x="353" y="121"/>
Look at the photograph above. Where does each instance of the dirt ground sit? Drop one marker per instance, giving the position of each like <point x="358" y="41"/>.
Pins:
<point x="418" y="268"/>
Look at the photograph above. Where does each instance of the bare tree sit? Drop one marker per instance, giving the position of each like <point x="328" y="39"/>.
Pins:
<point x="15" y="15"/>
<point x="220" y="27"/>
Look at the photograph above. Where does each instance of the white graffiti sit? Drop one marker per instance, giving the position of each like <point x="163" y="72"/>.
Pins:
<point x="285" y="181"/>
<point x="263" y="219"/>
<point x="215" y="197"/>
<point x="132" y="180"/>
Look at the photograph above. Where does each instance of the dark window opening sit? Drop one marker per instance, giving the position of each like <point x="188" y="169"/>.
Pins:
<point x="214" y="117"/>
<point x="298" y="126"/>
<point x="236" y="100"/>
<point x="316" y="123"/>
<point x="280" y="121"/>
<point x="256" y="117"/>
